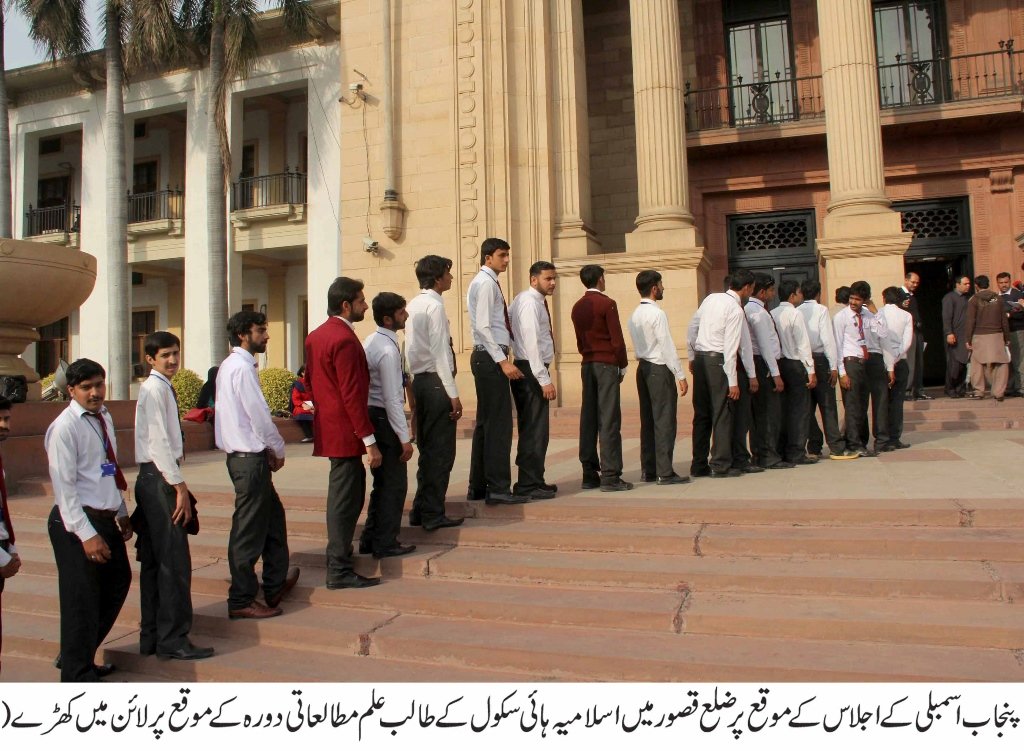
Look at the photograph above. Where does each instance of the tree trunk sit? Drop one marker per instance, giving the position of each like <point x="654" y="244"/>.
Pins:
<point x="6" y="226"/>
<point x="216" y="203"/>
<point x="118" y="283"/>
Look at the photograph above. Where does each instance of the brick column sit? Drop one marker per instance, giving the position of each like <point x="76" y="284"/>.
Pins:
<point x="863" y="236"/>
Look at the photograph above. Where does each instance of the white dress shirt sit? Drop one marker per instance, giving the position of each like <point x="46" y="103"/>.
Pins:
<point x="900" y="332"/>
<point x="5" y="556"/>
<point x="793" y="339"/>
<point x="848" y="338"/>
<point x="242" y="421"/>
<point x="765" y="338"/>
<point x="157" y="428"/>
<point x="384" y="359"/>
<point x="531" y="324"/>
<point x="76" y="454"/>
<point x="486" y="304"/>
<point x="652" y="340"/>
<point x="820" y="331"/>
<point x="428" y="340"/>
<point x="747" y="350"/>
<point x="717" y="326"/>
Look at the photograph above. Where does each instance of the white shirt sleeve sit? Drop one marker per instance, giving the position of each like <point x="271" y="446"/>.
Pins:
<point x="839" y="327"/>
<point x="747" y="349"/>
<point x="734" y="321"/>
<point x="802" y="340"/>
<point x="62" y="456"/>
<point x="668" y="346"/>
<point x="154" y="410"/>
<point x="440" y="348"/>
<point x="393" y="394"/>
<point x="529" y="333"/>
<point x="255" y="405"/>
<point x="691" y="335"/>
<point x="764" y="330"/>
<point x="484" y="309"/>
<point x="828" y="338"/>
<point x="908" y="335"/>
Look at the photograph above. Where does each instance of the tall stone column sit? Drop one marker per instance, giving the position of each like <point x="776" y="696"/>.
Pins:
<point x="863" y="236"/>
<point x="573" y="235"/>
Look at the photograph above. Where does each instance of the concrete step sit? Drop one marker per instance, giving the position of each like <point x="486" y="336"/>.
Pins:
<point x="566" y="653"/>
<point x="846" y="577"/>
<point x="937" y="622"/>
<point x="33" y="640"/>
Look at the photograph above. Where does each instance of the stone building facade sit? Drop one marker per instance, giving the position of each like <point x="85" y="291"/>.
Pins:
<point x="837" y="140"/>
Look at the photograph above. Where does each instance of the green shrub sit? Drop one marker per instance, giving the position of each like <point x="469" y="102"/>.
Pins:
<point x="276" y="384"/>
<point x="187" y="385"/>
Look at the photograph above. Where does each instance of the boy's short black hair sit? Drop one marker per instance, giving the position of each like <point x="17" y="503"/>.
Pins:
<point x="83" y="370"/>
<point x="159" y="340"/>
<point x="241" y="323"/>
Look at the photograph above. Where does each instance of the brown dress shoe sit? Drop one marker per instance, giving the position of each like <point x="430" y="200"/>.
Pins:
<point x="289" y="584"/>
<point x="254" y="609"/>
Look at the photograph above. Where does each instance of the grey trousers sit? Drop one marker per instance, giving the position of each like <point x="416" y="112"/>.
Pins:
<point x="532" y="420"/>
<point x="713" y="414"/>
<point x="346" y="491"/>
<point x="796" y="403"/>
<point x="656" y="387"/>
<point x="766" y="417"/>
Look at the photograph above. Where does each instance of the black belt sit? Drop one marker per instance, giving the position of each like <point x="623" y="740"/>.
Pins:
<point x="247" y="454"/>
<point x="712" y="355"/>
<point x="481" y="348"/>
<point x="99" y="513"/>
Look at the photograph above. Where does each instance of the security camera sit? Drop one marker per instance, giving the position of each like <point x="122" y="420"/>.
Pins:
<point x="355" y="88"/>
<point x="370" y="245"/>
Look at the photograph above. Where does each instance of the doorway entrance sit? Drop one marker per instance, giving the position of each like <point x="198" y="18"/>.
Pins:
<point x="778" y="244"/>
<point x="940" y="253"/>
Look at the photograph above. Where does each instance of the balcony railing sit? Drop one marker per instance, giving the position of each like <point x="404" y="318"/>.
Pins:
<point x="51" y="220"/>
<point x="155" y="205"/>
<point x="768" y="101"/>
<point x="268" y="190"/>
<point x="910" y="83"/>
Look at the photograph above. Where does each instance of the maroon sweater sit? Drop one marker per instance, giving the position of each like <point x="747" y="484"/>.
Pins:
<point x="598" y="331"/>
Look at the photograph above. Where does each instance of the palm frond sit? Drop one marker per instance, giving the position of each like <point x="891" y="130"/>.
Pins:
<point x="300" y="19"/>
<point x="195" y="18"/>
<point x="59" y="28"/>
<point x="154" y="35"/>
<point x="241" y="47"/>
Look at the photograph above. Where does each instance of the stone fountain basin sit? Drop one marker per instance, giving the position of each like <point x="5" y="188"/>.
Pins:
<point x="39" y="283"/>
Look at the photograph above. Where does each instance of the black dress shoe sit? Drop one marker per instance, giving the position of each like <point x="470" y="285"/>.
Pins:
<point x="414" y="518"/>
<point x="507" y="499"/>
<point x="147" y="648"/>
<point x="673" y="479"/>
<point x="102" y="670"/>
<point x="589" y="483"/>
<point x="805" y="460"/>
<point x="867" y="453"/>
<point x="476" y="495"/>
<point x="549" y="486"/>
<point x="899" y="445"/>
<point x="441" y="523"/>
<point x="782" y="465"/>
<point x="727" y="473"/>
<point x="644" y="477"/>
<point x="703" y="472"/>
<point x="188" y="652"/>
<point x="395" y="550"/>
<point x="922" y="395"/>
<point x="885" y="447"/>
<point x="616" y="486"/>
<point x="352" y="580"/>
<point x="537" y="494"/>
<point x="750" y="469"/>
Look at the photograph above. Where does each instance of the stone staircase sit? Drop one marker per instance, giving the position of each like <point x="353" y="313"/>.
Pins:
<point x="759" y="578"/>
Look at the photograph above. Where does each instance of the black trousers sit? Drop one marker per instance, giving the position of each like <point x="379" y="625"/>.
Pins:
<point x="346" y="491"/>
<point x="897" y="395"/>
<point x="855" y="403"/>
<point x="258" y="531"/>
<point x="533" y="423"/>
<point x="390" y="485"/>
<point x="915" y="363"/>
<point x="489" y="465"/>
<point x="657" y="389"/>
<point x="601" y="413"/>
<point x="742" y="420"/>
<point x="956" y="373"/>
<point x="766" y="417"/>
<point x="435" y="439"/>
<point x="165" y="578"/>
<point x="823" y="399"/>
<point x="878" y="387"/>
<point x="713" y="414"/>
<point x="91" y="594"/>
<point x="796" y="403"/>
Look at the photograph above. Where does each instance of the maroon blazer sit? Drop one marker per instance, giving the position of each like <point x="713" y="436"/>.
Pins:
<point x="339" y="387"/>
<point x="598" y="331"/>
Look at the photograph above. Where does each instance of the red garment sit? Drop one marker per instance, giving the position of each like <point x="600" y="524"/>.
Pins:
<point x="338" y="382"/>
<point x="300" y="394"/>
<point x="598" y="330"/>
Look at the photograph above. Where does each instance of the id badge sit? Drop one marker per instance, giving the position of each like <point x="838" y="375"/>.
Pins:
<point x="108" y="469"/>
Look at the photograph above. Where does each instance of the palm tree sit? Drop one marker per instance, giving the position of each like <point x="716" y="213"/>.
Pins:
<point x="136" y="33"/>
<point x="225" y="31"/>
